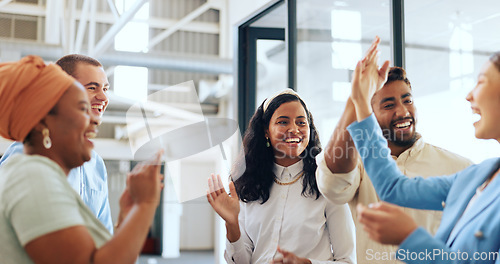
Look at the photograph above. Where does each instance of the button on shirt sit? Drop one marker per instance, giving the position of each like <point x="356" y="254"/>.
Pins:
<point x="90" y="181"/>
<point x="307" y="227"/>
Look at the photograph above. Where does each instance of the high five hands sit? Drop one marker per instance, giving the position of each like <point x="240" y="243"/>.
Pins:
<point x="367" y="79"/>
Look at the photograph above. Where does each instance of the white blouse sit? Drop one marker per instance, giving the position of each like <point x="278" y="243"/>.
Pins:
<point x="318" y="230"/>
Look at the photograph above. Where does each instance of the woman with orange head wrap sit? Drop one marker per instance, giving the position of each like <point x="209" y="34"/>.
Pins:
<point x="42" y="219"/>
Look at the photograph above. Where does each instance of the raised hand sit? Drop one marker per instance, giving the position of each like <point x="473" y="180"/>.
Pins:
<point x="386" y="223"/>
<point x="144" y="182"/>
<point x="126" y="204"/>
<point x="227" y="206"/>
<point x="289" y="258"/>
<point x="367" y="79"/>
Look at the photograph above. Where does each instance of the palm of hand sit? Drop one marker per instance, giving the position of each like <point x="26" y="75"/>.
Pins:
<point x="227" y="207"/>
<point x="368" y="78"/>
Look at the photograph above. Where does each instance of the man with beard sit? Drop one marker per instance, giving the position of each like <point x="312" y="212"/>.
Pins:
<point x="341" y="176"/>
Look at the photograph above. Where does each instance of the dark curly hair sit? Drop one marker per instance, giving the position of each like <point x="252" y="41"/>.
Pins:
<point x="256" y="180"/>
<point x="397" y="74"/>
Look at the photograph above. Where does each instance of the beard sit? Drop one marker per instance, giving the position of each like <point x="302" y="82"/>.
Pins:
<point x="399" y="138"/>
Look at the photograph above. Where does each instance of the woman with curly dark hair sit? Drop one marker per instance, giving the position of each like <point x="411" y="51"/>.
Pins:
<point x="275" y="212"/>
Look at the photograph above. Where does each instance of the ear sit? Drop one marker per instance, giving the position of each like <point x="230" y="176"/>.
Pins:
<point x="266" y="133"/>
<point x="40" y="126"/>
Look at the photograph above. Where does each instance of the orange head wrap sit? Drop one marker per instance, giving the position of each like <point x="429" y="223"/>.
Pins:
<point x="29" y="89"/>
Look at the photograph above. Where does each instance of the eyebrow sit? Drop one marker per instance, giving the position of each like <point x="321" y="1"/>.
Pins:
<point x="394" y="99"/>
<point x="387" y="99"/>
<point x="96" y="84"/>
<point x="405" y="95"/>
<point x="289" y="117"/>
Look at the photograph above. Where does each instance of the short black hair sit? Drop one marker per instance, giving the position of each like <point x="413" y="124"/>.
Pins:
<point x="68" y="63"/>
<point x="397" y="74"/>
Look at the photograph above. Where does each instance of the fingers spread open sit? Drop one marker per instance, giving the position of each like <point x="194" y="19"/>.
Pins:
<point x="220" y="185"/>
<point x="211" y="186"/>
<point x="232" y="189"/>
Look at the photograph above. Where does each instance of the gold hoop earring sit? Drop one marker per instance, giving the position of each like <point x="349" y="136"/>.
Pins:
<point x="268" y="144"/>
<point x="47" y="143"/>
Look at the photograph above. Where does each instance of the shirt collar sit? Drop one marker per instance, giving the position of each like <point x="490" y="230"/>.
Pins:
<point x="414" y="149"/>
<point x="292" y="170"/>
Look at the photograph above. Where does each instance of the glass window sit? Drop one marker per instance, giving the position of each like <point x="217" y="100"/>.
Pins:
<point x="331" y="37"/>
<point x="272" y="55"/>
<point x="444" y="54"/>
<point x="271" y="68"/>
<point x="132" y="82"/>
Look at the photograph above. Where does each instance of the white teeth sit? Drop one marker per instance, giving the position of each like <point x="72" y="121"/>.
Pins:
<point x="476" y="117"/>
<point x="403" y="125"/>
<point x="97" y="106"/>
<point x="90" y="134"/>
<point x="292" y="140"/>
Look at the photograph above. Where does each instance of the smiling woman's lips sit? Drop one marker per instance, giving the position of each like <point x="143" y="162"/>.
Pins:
<point x="476" y="117"/>
<point x="90" y="134"/>
<point x="293" y="140"/>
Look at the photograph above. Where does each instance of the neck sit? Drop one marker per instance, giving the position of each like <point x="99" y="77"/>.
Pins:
<point x="34" y="150"/>
<point x="285" y="162"/>
<point x="397" y="150"/>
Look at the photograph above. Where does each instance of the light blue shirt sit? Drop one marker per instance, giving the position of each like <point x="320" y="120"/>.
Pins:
<point x="90" y="181"/>
<point x="464" y="236"/>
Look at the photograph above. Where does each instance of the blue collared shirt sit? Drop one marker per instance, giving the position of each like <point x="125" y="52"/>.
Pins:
<point x="90" y="181"/>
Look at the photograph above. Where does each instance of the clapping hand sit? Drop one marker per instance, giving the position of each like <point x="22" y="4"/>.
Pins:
<point x="143" y="185"/>
<point x="289" y="258"/>
<point x="144" y="182"/>
<point x="386" y="223"/>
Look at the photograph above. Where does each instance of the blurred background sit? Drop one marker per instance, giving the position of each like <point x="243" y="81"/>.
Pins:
<point x="238" y="52"/>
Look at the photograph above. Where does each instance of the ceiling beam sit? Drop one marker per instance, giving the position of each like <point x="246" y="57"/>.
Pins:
<point x="114" y="11"/>
<point x="81" y="26"/>
<point x="154" y="60"/>
<point x="108" y="38"/>
<point x="108" y="18"/>
<point x="183" y="21"/>
<point x="4" y="2"/>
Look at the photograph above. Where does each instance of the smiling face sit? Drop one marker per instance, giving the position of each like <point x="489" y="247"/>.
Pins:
<point x="288" y="132"/>
<point x="71" y="127"/>
<point x="393" y="106"/>
<point x="95" y="81"/>
<point x="485" y="101"/>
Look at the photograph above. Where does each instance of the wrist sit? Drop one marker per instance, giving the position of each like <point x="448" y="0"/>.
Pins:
<point x="407" y="233"/>
<point x="363" y="110"/>
<point x="233" y="232"/>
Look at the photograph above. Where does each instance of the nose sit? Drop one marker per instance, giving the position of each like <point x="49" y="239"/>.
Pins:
<point x="294" y="128"/>
<point x="402" y="111"/>
<point x="469" y="96"/>
<point x="101" y="95"/>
